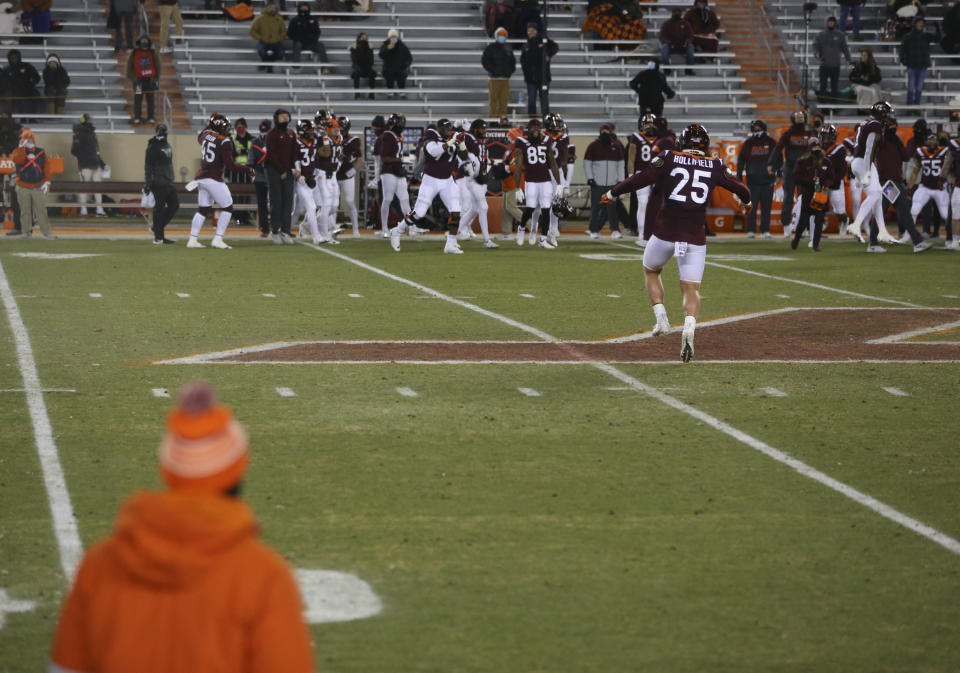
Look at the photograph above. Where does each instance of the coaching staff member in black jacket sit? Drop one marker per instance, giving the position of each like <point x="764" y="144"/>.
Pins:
<point x="158" y="174"/>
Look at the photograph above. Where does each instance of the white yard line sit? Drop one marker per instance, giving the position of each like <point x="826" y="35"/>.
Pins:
<point x="269" y="295"/>
<point x="904" y="336"/>
<point x="183" y="295"/>
<point x="798" y="466"/>
<point x="896" y="392"/>
<point x="526" y="295"/>
<point x="95" y="295"/>
<point x="529" y="392"/>
<point x="774" y="392"/>
<point x="406" y="392"/>
<point x="285" y="392"/>
<point x="61" y="510"/>
<point x="354" y="295"/>
<point x="614" y="296"/>
<point x="160" y="392"/>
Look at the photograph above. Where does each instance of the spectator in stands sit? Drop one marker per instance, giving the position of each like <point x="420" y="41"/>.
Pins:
<point x="500" y="63"/>
<point x="535" y="62"/>
<point x="158" y="180"/>
<point x="915" y="57"/>
<point x="22" y="79"/>
<point x="125" y="18"/>
<point x="281" y="143"/>
<point x="184" y="569"/>
<point x="55" y="84"/>
<point x="269" y="31"/>
<point x="257" y="159"/>
<point x="143" y="71"/>
<point x="865" y="78"/>
<point x="169" y="9"/>
<point x="361" y="63"/>
<point x="676" y="36"/>
<point x="37" y="12"/>
<point x="497" y="14"/>
<point x="900" y="17"/>
<point x="86" y="148"/>
<point x="616" y="20"/>
<point x="704" y="23"/>
<point x="527" y="11"/>
<point x="650" y="85"/>
<point x="951" y="30"/>
<point x="850" y="8"/>
<point x="33" y="182"/>
<point x="753" y="158"/>
<point x="396" y="61"/>
<point x="828" y="47"/>
<point x="304" y="31"/>
<point x="603" y="166"/>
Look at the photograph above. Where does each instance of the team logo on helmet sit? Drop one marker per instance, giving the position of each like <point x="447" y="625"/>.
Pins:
<point x="219" y="124"/>
<point x="561" y="208"/>
<point x="553" y="122"/>
<point x="304" y="128"/>
<point x="396" y="121"/>
<point x="344" y="122"/>
<point x="322" y="116"/>
<point x="881" y="110"/>
<point x="828" y="135"/>
<point x="694" y="137"/>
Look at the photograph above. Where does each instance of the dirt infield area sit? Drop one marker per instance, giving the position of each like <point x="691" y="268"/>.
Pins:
<point x="795" y="335"/>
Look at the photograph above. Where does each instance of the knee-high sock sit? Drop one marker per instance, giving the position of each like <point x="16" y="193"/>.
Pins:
<point x="197" y="224"/>
<point x="223" y="221"/>
<point x="544" y="222"/>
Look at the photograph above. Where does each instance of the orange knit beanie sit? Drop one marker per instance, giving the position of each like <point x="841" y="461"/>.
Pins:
<point x="205" y="448"/>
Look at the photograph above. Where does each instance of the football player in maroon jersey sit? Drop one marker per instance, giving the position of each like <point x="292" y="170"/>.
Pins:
<point x="216" y="153"/>
<point x="931" y="164"/>
<point x="443" y="150"/>
<point x="535" y="161"/>
<point x="555" y="129"/>
<point x="869" y="136"/>
<point x="346" y="175"/>
<point x="392" y="177"/>
<point x="304" y="172"/>
<point x="686" y="178"/>
<point x="473" y="181"/>
<point x="639" y="154"/>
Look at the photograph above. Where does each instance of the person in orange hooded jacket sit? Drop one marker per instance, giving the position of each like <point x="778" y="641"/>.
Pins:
<point x="33" y="182"/>
<point x="183" y="584"/>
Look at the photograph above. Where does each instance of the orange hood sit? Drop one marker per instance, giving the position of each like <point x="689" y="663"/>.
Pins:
<point x="171" y="539"/>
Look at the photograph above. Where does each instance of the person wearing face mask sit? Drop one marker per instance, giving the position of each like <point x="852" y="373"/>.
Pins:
<point x="361" y="61"/>
<point x="241" y="144"/>
<point x="812" y="174"/>
<point x="396" y="59"/>
<point x="158" y="178"/>
<point x="705" y="24"/>
<point x="791" y="145"/>
<point x="143" y="71"/>
<point x="257" y="159"/>
<point x="281" y="143"/>
<point x="753" y="158"/>
<point x="889" y="159"/>
<point x="269" y="31"/>
<point x="33" y="184"/>
<point x="499" y="62"/>
<point x="55" y="84"/>
<point x="22" y="79"/>
<point x="676" y="37"/>
<point x="603" y="166"/>
<point x="650" y="85"/>
<point x="828" y="47"/>
<point x="304" y="30"/>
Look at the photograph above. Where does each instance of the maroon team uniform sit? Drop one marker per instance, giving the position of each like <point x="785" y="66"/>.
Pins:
<point x="216" y="153"/>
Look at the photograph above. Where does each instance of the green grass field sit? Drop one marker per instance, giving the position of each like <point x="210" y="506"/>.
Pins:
<point x="591" y="528"/>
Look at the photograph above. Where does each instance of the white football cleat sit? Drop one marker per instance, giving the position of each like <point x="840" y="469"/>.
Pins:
<point x="463" y="235"/>
<point x="952" y="245"/>
<point x="316" y="241"/>
<point x="414" y="230"/>
<point x="277" y="240"/>
<point x="395" y="238"/>
<point x="876" y="248"/>
<point x="923" y="246"/>
<point x="520" y="236"/>
<point x="853" y="229"/>
<point x="217" y="242"/>
<point x="903" y="240"/>
<point x="641" y="242"/>
<point x="616" y="234"/>
<point x="533" y="236"/>
<point x="330" y="240"/>
<point x="592" y="234"/>
<point x="686" y="345"/>
<point x="884" y="236"/>
<point x="553" y="241"/>
<point x="662" y="327"/>
<point x="490" y="244"/>
<point x="545" y="244"/>
<point x="451" y="247"/>
<point x="192" y="242"/>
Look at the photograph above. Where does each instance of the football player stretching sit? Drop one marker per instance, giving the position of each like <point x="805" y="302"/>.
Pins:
<point x="686" y="177"/>
<point x="216" y="153"/>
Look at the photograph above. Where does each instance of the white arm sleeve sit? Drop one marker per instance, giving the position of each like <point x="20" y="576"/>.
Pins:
<point x="871" y="143"/>
<point x="434" y="149"/>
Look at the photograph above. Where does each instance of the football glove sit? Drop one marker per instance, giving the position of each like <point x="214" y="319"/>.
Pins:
<point x="45" y="187"/>
<point x="607" y="198"/>
<point x="558" y="192"/>
<point x="521" y="197"/>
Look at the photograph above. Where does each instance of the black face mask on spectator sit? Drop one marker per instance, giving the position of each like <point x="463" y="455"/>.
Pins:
<point x="605" y="137"/>
<point x="303" y="10"/>
<point x="676" y="16"/>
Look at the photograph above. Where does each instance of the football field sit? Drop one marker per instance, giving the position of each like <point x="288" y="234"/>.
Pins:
<point x="485" y="463"/>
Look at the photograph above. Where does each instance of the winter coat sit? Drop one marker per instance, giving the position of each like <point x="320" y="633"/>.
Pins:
<point x="304" y="29"/>
<point x="697" y="22"/>
<point x="268" y="29"/>
<point x="603" y="161"/>
<point x="136" y="53"/>
<point x="498" y="60"/>
<point x="20" y="158"/>
<point x="650" y="86"/>
<point x="9" y="134"/>
<point x="257" y="158"/>
<point x="158" y="164"/>
<point x="531" y="59"/>
<point x="361" y="58"/>
<point x="861" y="75"/>
<point x="85" y="146"/>
<point x="915" y="50"/>
<point x="829" y="46"/>
<point x="36" y="6"/>
<point x="753" y="158"/>
<point x="183" y="584"/>
<point x="676" y="32"/>
<point x="396" y="61"/>
<point x="55" y="79"/>
<point x="22" y="78"/>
